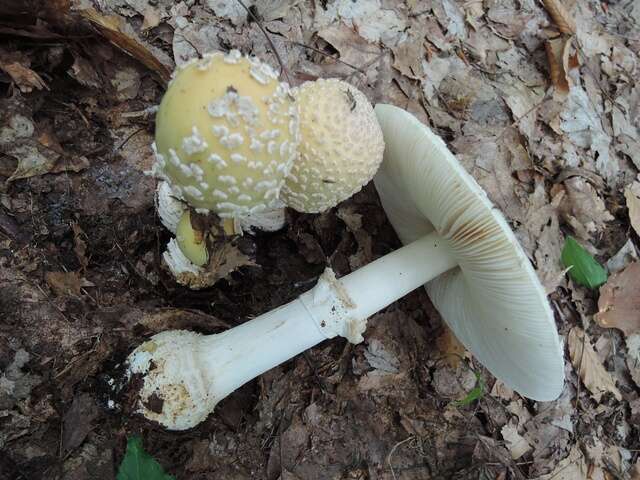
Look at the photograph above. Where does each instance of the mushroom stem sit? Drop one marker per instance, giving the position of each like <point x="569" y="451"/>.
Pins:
<point x="382" y="282"/>
<point x="333" y="307"/>
<point x="234" y="357"/>
<point x="225" y="361"/>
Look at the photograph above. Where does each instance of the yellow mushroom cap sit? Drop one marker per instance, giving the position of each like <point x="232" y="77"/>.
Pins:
<point x="226" y="134"/>
<point x="341" y="146"/>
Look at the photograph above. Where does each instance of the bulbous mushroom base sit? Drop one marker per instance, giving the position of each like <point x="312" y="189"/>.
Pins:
<point x="173" y="391"/>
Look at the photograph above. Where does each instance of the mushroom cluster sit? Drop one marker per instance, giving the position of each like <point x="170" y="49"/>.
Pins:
<point x="458" y="246"/>
<point x="233" y="141"/>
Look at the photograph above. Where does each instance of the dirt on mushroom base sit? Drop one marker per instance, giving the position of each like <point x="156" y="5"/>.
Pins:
<point x="80" y="283"/>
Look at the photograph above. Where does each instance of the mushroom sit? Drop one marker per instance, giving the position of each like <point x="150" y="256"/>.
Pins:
<point x="226" y="135"/>
<point x="340" y="149"/>
<point x="457" y="243"/>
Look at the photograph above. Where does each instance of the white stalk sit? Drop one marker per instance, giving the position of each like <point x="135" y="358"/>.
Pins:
<point x="190" y="373"/>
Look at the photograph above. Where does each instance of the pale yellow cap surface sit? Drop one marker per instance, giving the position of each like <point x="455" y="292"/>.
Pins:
<point x="226" y="134"/>
<point x="341" y="146"/>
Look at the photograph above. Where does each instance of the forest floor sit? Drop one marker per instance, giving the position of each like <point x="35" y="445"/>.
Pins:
<point x="539" y="102"/>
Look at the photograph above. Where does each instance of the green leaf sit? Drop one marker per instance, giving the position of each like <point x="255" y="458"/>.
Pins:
<point x="475" y="394"/>
<point x="584" y="269"/>
<point x="139" y="465"/>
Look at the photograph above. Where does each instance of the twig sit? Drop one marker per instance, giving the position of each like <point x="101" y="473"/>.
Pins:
<point x="317" y="50"/>
<point x="584" y="339"/>
<point x="283" y="69"/>
<point x="366" y="66"/>
<point x="519" y="119"/>
<point x="393" y="450"/>
<point x="597" y="80"/>
<point x="314" y="371"/>
<point x="126" y="140"/>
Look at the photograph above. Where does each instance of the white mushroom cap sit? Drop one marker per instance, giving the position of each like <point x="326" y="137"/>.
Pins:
<point x="493" y="301"/>
<point x="341" y="146"/>
<point x="226" y="134"/>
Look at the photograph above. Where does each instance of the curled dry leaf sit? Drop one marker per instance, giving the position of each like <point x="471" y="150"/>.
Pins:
<point x="33" y="159"/>
<point x="117" y="31"/>
<point x="66" y="283"/>
<point x="632" y="194"/>
<point x="561" y="16"/>
<point x="516" y="443"/>
<point x="25" y="78"/>
<point x="619" y="302"/>
<point x="450" y="348"/>
<point x="222" y="262"/>
<point x="555" y="52"/>
<point x="573" y="467"/>
<point x="587" y="364"/>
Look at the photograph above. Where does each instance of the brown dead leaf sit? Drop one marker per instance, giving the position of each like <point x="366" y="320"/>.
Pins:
<point x="633" y="357"/>
<point x="33" y="159"/>
<point x="516" y="443"/>
<point x="77" y="421"/>
<point x="635" y="471"/>
<point x="632" y="194"/>
<point x="152" y="18"/>
<point x="573" y="467"/>
<point x="584" y="205"/>
<point x="66" y="283"/>
<point x="224" y="260"/>
<point x="117" y="31"/>
<point x="561" y="16"/>
<point x="168" y="318"/>
<point x="587" y="364"/>
<point x="353" y="49"/>
<point x="557" y="55"/>
<point x="450" y="348"/>
<point x="25" y="78"/>
<point x="624" y="257"/>
<point x="84" y="72"/>
<point x="408" y="54"/>
<point x="80" y="246"/>
<point x="619" y="302"/>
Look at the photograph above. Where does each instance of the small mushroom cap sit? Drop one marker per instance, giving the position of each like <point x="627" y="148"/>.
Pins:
<point x="226" y="134"/>
<point x="493" y="301"/>
<point x="191" y="241"/>
<point x="341" y="146"/>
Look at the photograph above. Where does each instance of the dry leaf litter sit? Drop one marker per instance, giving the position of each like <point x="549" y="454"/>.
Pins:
<point x="538" y="100"/>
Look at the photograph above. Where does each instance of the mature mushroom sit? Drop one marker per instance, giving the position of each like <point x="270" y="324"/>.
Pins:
<point x="340" y="149"/>
<point x="226" y="135"/>
<point x="460" y="246"/>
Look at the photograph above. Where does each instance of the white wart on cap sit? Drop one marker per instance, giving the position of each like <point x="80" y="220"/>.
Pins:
<point x="226" y="135"/>
<point x="493" y="301"/>
<point x="341" y="146"/>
